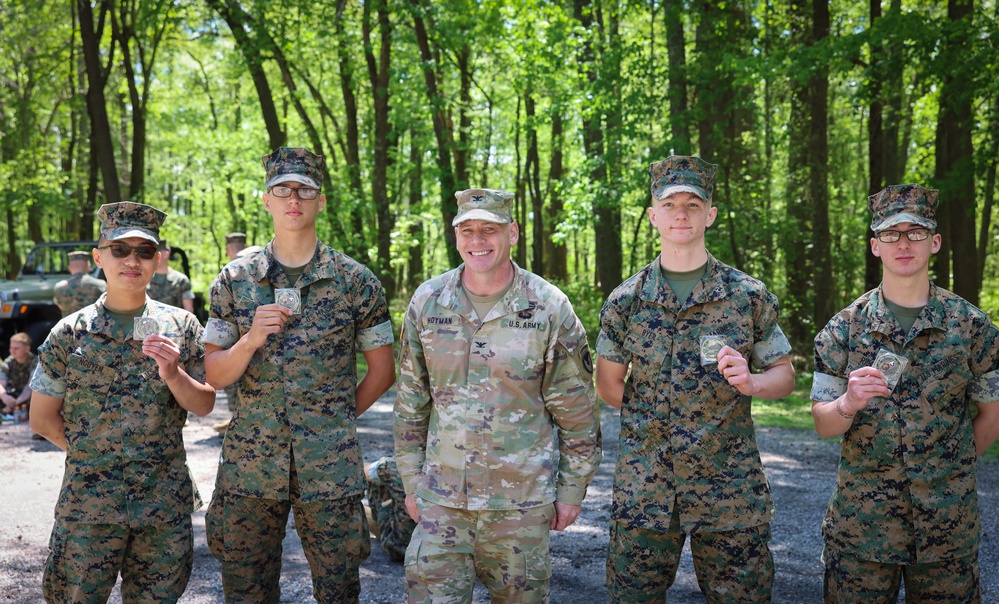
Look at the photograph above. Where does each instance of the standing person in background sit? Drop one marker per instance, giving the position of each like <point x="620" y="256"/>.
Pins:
<point x="495" y="371"/>
<point x="170" y="286"/>
<point x="15" y="375"/>
<point x="235" y="246"/>
<point x="80" y="290"/>
<point x="116" y="402"/>
<point x="286" y="324"/>
<point x="689" y="327"/>
<point x="895" y="374"/>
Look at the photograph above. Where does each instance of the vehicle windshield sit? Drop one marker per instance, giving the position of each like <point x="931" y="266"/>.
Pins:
<point x="49" y="260"/>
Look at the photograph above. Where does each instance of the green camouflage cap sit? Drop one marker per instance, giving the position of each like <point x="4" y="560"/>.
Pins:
<point x="896" y="204"/>
<point x="129" y="219"/>
<point x="294" y="164"/>
<point x="235" y="238"/>
<point x="682" y="174"/>
<point x="491" y="205"/>
<point x="79" y="255"/>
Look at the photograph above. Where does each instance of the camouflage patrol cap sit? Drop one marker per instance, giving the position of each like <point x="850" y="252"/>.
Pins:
<point x="79" y="255"/>
<point x="294" y="164"/>
<point x="129" y="219"/>
<point x="682" y="174"/>
<point x="491" y="205"/>
<point x="896" y="204"/>
<point x="235" y="238"/>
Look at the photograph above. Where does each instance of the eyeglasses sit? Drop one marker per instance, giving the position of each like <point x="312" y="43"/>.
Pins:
<point x="120" y="250"/>
<point x="911" y="235"/>
<point x="304" y="193"/>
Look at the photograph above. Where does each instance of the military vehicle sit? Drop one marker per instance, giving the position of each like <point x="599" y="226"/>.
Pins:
<point x="26" y="302"/>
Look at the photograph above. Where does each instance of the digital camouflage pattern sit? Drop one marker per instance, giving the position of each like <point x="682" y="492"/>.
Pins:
<point x="387" y="500"/>
<point x="478" y="402"/>
<point x="85" y="560"/>
<point x="294" y="164"/>
<point x="491" y="205"/>
<point x="849" y="579"/>
<point x="679" y="173"/>
<point x="17" y="375"/>
<point x="80" y="290"/>
<point x="129" y="219"/>
<point x="245" y="533"/>
<point x="733" y="566"/>
<point x="125" y="463"/>
<point x="896" y="204"/>
<point x="172" y="288"/>
<point x="687" y="436"/>
<point x="508" y="550"/>
<point x="905" y="492"/>
<point x="297" y="393"/>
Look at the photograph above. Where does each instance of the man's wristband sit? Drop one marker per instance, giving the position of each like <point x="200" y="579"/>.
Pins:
<point x="839" y="409"/>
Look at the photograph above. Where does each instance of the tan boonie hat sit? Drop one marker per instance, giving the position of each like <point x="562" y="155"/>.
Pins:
<point x="129" y="219"/>
<point x="235" y="238"/>
<point x="896" y="204"/>
<point x="294" y="164"/>
<point x="491" y="205"/>
<point x="682" y="174"/>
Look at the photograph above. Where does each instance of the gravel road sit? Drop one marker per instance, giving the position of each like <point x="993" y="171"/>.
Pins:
<point x="801" y="468"/>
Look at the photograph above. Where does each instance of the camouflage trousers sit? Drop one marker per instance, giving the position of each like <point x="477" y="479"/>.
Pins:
<point x="731" y="566"/>
<point x="387" y="499"/>
<point x="508" y="550"/>
<point x="245" y="534"/>
<point x="85" y="559"/>
<point x="850" y="579"/>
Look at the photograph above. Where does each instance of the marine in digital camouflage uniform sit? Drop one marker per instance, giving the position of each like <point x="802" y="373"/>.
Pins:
<point x="494" y="371"/>
<point x="292" y="440"/>
<point x="905" y="503"/>
<point x="169" y="285"/>
<point x="387" y="499"/>
<point x="15" y="373"/>
<point x="117" y="406"/>
<point x="80" y="290"/>
<point x="688" y="461"/>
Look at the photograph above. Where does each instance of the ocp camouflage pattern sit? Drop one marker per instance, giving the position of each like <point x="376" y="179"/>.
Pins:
<point x="905" y="492"/>
<point x="125" y="460"/>
<point x="80" y="290"/>
<point x="686" y="434"/>
<point x="172" y="288"/>
<point x="478" y="402"/>
<point x="297" y="393"/>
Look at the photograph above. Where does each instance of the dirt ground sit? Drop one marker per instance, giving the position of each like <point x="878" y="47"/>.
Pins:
<point x="801" y="468"/>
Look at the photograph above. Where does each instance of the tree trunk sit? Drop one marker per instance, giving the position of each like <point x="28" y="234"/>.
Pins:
<point x="818" y="159"/>
<point x="534" y="187"/>
<point x="443" y="133"/>
<point x="677" y="54"/>
<point x="557" y="263"/>
<point x="100" y="126"/>
<point x="876" y="151"/>
<point x="416" y="230"/>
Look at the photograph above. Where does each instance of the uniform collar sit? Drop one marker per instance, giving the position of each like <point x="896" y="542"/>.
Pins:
<point x="881" y="320"/>
<point x="710" y="288"/>
<point x="267" y="268"/>
<point x="516" y="299"/>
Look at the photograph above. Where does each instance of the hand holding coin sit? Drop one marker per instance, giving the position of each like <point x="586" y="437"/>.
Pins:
<point x="290" y="298"/>
<point x="143" y="327"/>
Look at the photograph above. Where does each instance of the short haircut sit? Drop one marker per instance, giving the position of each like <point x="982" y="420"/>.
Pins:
<point x="21" y="337"/>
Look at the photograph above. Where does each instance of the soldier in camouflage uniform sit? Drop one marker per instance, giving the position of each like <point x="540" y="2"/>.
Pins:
<point x="169" y="285"/>
<point x="80" y="290"/>
<point x="494" y="371"/>
<point x="905" y="503"/>
<point x="117" y="406"/>
<point x="235" y="246"/>
<point x="387" y="499"/>
<point x="293" y="440"/>
<point x="15" y="374"/>
<point x="688" y="461"/>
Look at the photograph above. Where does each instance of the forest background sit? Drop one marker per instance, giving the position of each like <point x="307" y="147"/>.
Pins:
<point x="808" y="107"/>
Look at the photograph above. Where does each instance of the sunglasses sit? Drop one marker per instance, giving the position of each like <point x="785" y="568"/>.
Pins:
<point x="120" y="250"/>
